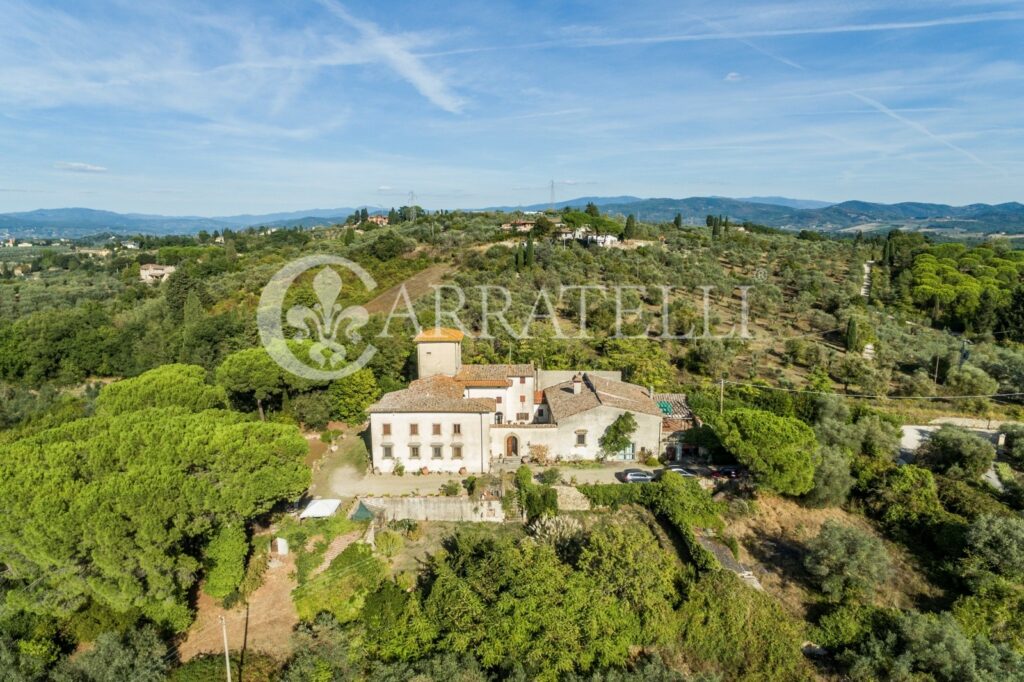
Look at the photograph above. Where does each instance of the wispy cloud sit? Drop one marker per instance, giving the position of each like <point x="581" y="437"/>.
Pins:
<point x="921" y="129"/>
<point x="732" y="77"/>
<point x="742" y="35"/>
<point x="394" y="53"/>
<point x="78" y="167"/>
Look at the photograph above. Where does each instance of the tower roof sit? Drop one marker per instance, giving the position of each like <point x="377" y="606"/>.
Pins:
<point x="439" y="335"/>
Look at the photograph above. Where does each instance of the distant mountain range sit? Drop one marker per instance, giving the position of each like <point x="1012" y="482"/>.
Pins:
<point x="779" y="212"/>
<point x="79" y="222"/>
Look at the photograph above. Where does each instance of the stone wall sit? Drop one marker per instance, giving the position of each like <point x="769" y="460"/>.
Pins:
<point x="436" y="508"/>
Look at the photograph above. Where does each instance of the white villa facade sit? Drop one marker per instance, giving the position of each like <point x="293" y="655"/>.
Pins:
<point x="456" y="416"/>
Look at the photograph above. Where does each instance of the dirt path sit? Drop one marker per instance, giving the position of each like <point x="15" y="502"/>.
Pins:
<point x="416" y="286"/>
<point x="265" y="625"/>
<point x="336" y="547"/>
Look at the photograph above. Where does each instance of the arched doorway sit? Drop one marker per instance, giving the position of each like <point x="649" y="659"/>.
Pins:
<point x="511" y="446"/>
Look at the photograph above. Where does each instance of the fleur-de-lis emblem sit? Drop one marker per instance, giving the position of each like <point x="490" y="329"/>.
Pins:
<point x="325" y="320"/>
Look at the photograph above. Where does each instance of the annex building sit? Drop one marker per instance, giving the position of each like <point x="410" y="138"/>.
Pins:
<point x="456" y="416"/>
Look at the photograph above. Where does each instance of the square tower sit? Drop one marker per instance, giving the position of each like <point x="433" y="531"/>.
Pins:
<point x="438" y="351"/>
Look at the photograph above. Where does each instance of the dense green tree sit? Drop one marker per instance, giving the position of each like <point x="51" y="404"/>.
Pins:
<point x="224" y="560"/>
<point x="832" y="479"/>
<point x="779" y="451"/>
<point x="741" y="633"/>
<point x="351" y="395"/>
<point x="957" y="452"/>
<point x="847" y="562"/>
<point x="629" y="232"/>
<point x="117" y="508"/>
<point x="166" y="386"/>
<point x="136" y="655"/>
<point x="251" y="374"/>
<point x="996" y="544"/>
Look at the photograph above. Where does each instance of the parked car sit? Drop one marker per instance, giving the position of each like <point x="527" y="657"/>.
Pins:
<point x="726" y="472"/>
<point x="636" y="476"/>
<point x="676" y="468"/>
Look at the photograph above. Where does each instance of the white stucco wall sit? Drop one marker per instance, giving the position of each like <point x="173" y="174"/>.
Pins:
<point x="517" y="398"/>
<point x="562" y="439"/>
<point x="474" y="439"/>
<point x="438" y="358"/>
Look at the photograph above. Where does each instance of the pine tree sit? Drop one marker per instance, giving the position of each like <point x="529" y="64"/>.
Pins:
<point x="363" y="215"/>
<point x="592" y="209"/>
<point x="630" y="230"/>
<point x="392" y="216"/>
<point x="710" y="220"/>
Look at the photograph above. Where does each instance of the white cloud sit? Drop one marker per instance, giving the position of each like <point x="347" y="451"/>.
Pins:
<point x="78" y="167"/>
<point x="732" y="77"/>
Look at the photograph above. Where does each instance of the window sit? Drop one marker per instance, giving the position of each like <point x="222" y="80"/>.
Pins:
<point x="457" y="429"/>
<point x="522" y="398"/>
<point x="414" y="452"/>
<point x="386" y="452"/>
<point x="498" y="400"/>
<point x="522" y="380"/>
<point x="414" y="429"/>
<point x="456" y="452"/>
<point x="386" y="429"/>
<point x="498" y="416"/>
<point x="523" y="417"/>
<point x="581" y="438"/>
<point x="436" y="430"/>
<point x="435" y="452"/>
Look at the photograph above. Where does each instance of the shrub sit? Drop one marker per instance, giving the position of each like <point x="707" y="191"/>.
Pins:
<point x="388" y="543"/>
<point x="957" y="452"/>
<point x="1014" y="443"/>
<point x="550" y="477"/>
<point x="846" y="561"/>
<point x="259" y="667"/>
<point x="739" y="632"/>
<point x="342" y="588"/>
<point x="996" y="544"/>
<point x="451" y="489"/>
<point x="832" y="480"/>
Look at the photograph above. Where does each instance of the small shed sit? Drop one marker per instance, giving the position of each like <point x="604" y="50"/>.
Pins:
<point x="320" y="509"/>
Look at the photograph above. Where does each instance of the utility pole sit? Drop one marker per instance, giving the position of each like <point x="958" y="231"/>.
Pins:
<point x="227" y="657"/>
<point x="936" y="379"/>
<point x="721" y="395"/>
<point x="412" y="205"/>
<point x="551" y="205"/>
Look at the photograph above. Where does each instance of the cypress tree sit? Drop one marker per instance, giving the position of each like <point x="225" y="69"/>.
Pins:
<point x="852" y="335"/>
<point x="678" y="220"/>
<point x="630" y="230"/>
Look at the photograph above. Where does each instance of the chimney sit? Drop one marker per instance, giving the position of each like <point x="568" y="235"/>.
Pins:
<point x="577" y="385"/>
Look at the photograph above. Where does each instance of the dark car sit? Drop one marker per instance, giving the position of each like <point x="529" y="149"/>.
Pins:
<point x="636" y="476"/>
<point x="726" y="472"/>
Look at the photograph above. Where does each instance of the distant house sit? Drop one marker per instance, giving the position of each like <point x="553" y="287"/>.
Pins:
<point x="151" y="273"/>
<point x="519" y="226"/>
<point x="25" y="245"/>
<point x="131" y="245"/>
<point x="378" y="220"/>
<point x="99" y="253"/>
<point x="9" y="242"/>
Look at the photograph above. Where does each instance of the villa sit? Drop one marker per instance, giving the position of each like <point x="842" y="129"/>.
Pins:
<point x="455" y="416"/>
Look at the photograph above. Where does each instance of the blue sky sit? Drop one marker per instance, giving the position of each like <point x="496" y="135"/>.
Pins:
<point x="221" y="108"/>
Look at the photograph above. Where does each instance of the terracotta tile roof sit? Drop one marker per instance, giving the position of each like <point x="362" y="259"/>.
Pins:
<point x="438" y="335"/>
<point x="493" y="372"/>
<point x="433" y="394"/>
<point x="597" y="391"/>
<point x="485" y="383"/>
